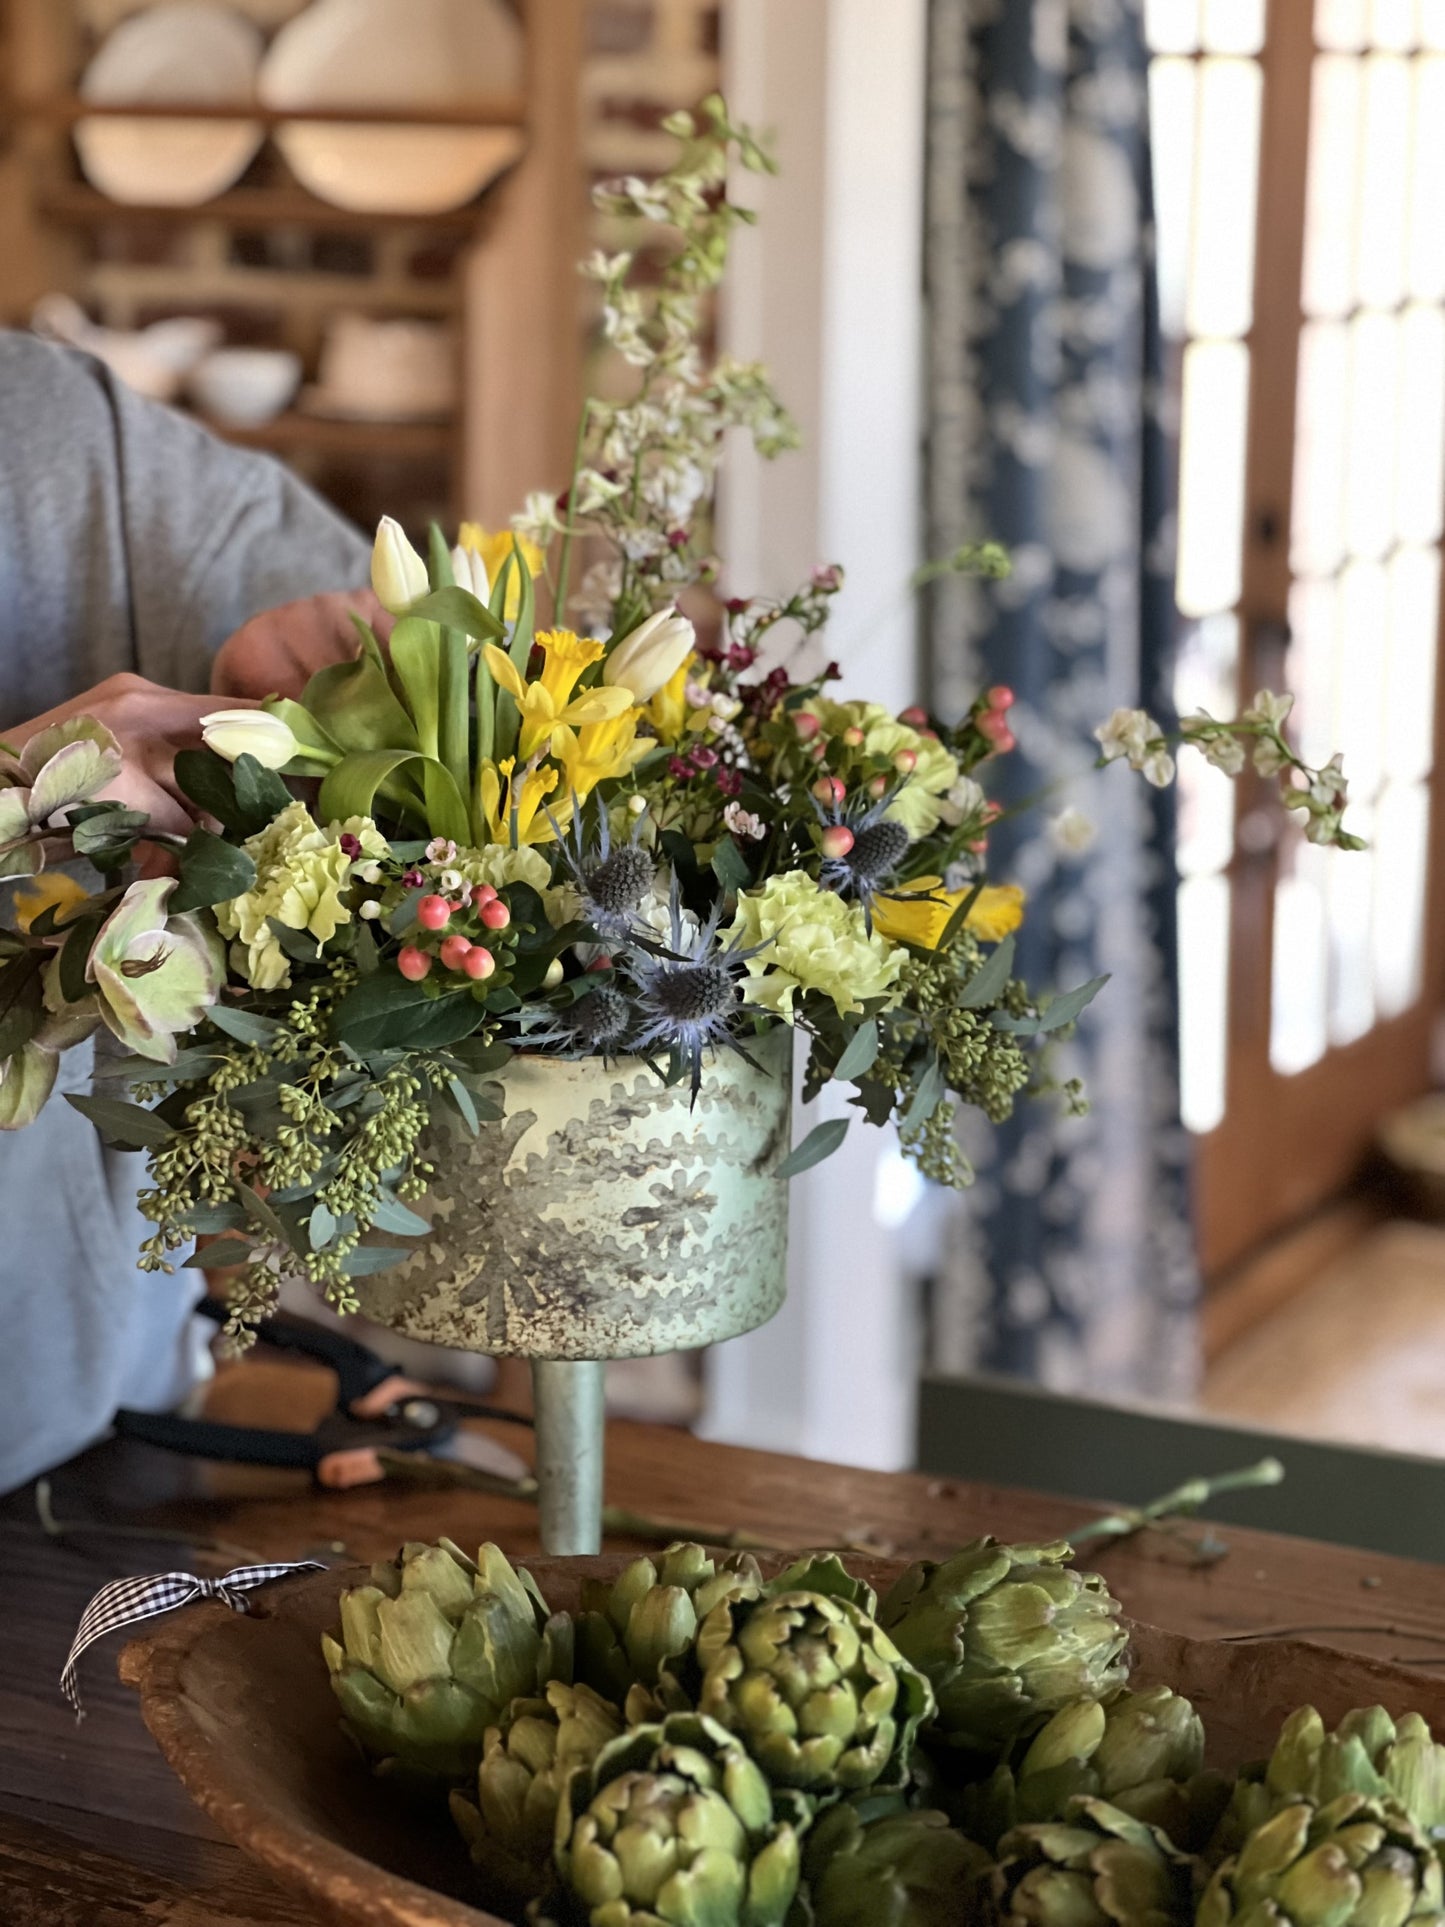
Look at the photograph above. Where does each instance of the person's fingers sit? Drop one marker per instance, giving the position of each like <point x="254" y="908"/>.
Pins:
<point x="136" y="789"/>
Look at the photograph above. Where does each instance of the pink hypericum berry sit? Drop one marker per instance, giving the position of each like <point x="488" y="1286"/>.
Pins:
<point x="877" y="786"/>
<point x="819" y="750"/>
<point x="853" y="736"/>
<point x="495" y="915"/>
<point x="413" y="964"/>
<point x="454" y="952"/>
<point x="837" y="840"/>
<point x="1000" y="696"/>
<point x="604" y="962"/>
<point x="433" y="913"/>
<point x="915" y="716"/>
<point x="482" y="895"/>
<point x="806" y="724"/>
<point x="829" y="789"/>
<point x="979" y="845"/>
<point x="992" y="812"/>
<point x="479" y="963"/>
<point x="992" y="725"/>
<point x="905" y="762"/>
<point x="929" y="735"/>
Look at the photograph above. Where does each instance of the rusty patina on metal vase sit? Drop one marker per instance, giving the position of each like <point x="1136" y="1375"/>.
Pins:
<point x="606" y="1215"/>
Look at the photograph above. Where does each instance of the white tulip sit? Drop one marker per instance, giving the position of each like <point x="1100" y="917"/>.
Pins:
<point x="470" y="572"/>
<point x="249" y="732"/>
<point x="398" y="574"/>
<point x="650" y="655"/>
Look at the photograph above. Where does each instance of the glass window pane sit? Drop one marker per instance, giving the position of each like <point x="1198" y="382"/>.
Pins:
<point x="1359" y="675"/>
<point x="1374" y="399"/>
<point x="1392" y="24"/>
<point x="1203" y="999"/>
<point x="1351" y="947"/>
<point x="1171" y="26"/>
<point x="1341" y="23"/>
<point x="1402" y="837"/>
<point x="1317" y="531"/>
<point x="1211" y="479"/>
<point x="1384" y="177"/>
<point x="1409" y="749"/>
<point x="1329" y="280"/>
<point x="1425" y="255"/>
<point x="1206" y="676"/>
<point x="1233" y="26"/>
<point x="1299" y="969"/>
<point x="1421" y="456"/>
<point x="1221" y="277"/>
<point x="1171" y="128"/>
<point x="1311" y="668"/>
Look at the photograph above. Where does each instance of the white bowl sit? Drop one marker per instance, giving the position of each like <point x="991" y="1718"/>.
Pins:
<point x="184" y="51"/>
<point x="395" y="54"/>
<point x="245" y="387"/>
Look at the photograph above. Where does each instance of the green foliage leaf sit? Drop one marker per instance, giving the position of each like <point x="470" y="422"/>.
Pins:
<point x="206" y="779"/>
<point x="821" y="1142"/>
<point x="926" y="1094"/>
<point x="730" y="866"/>
<point x="958" y="922"/>
<point x="219" y="1256"/>
<point x="130" y="1127"/>
<point x="462" y="1098"/>
<point x="321" y="1226"/>
<point x="260" y="1213"/>
<point x="261" y="793"/>
<point x="367" y="1259"/>
<point x="246" y="1026"/>
<point x="211" y="871"/>
<point x="1065" y="1008"/>
<point x="108" y="837"/>
<point x="988" y="982"/>
<point x="387" y="1012"/>
<point x="860" y="1053"/>
<point x="393" y="1216"/>
<point x="22" y="1001"/>
<point x="81" y="934"/>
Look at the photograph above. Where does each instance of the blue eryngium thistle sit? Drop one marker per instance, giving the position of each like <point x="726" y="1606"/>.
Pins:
<point x="688" y="997"/>
<point x="611" y="881"/>
<point x="601" y="1020"/>
<point x="879" y="846"/>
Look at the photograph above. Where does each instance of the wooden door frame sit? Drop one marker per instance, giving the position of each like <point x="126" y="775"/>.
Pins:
<point x="1287" y="1144"/>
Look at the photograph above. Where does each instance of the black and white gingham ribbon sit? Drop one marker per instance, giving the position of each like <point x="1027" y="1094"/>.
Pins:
<point x="124" y="1601"/>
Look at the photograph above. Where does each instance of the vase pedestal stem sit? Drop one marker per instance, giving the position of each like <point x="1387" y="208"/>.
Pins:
<point x="567" y="1398"/>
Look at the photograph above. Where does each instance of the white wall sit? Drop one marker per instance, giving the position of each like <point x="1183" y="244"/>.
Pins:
<point x="827" y="291"/>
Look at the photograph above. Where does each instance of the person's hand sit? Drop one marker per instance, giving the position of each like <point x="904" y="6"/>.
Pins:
<point x="150" y="723"/>
<point x="278" y="652"/>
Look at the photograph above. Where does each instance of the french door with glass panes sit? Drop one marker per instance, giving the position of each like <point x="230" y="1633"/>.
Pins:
<point x="1299" y="154"/>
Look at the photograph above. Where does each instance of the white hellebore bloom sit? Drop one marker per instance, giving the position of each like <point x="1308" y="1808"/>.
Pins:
<point x="398" y="574"/>
<point x="249" y="732"/>
<point x="651" y="655"/>
<point x="470" y="572"/>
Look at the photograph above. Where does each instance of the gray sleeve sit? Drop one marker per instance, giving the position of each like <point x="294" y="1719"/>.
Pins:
<point x="215" y="534"/>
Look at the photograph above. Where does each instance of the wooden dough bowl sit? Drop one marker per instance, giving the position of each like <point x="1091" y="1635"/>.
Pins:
<point x="242" y="1710"/>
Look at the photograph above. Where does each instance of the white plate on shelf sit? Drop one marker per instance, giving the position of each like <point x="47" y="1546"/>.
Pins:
<point x="184" y="51"/>
<point x="395" y="54"/>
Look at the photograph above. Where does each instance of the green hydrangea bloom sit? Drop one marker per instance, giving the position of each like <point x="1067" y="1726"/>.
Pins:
<point x="811" y="939"/>
<point x="301" y="871"/>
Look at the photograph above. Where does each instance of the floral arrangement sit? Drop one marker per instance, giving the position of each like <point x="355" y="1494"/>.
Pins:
<point x="703" y="1746"/>
<point x="649" y="834"/>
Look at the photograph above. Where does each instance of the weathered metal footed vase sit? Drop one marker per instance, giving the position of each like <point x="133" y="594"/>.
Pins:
<point x="606" y="1215"/>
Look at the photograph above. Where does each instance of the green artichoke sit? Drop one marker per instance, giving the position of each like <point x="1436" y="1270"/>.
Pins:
<point x="1098" y="1867"/>
<point x="1141" y="1751"/>
<point x="629" y="1631"/>
<point x="528" y="1758"/>
<point x="1367" y="1753"/>
<point x="433" y="1651"/>
<point x="871" y="1863"/>
<point x="1351" y="1863"/>
<point x="1005" y="1635"/>
<point x="816" y="1690"/>
<point x="673" y="1824"/>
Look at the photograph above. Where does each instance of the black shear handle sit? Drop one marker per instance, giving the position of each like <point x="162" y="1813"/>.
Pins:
<point x="204" y="1439"/>
<point x="358" y="1369"/>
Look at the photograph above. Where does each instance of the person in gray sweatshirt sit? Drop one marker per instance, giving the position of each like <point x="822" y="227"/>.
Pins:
<point x="142" y="564"/>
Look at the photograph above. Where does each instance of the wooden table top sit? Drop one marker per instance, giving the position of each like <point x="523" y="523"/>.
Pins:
<point x="95" y="1833"/>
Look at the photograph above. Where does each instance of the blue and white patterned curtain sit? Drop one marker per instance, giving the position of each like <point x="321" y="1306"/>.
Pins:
<point x="1071" y="1260"/>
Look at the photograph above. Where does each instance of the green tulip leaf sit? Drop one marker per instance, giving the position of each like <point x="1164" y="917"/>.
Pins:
<point x="456" y="608"/>
<point x="351" y="788"/>
<point x="357" y="707"/>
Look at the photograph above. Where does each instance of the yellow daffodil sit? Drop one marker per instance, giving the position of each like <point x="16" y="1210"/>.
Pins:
<point x="668" y="710"/>
<point x="922" y="920"/>
<point x="491" y="548"/>
<point x="523" y="814"/>
<point x="598" y="751"/>
<point x="52" y="891"/>
<point x="549" y="700"/>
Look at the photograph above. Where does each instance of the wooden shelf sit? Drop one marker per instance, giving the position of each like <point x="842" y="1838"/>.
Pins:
<point x="78" y="205"/>
<point x="497" y="110"/>
<point x="295" y="433"/>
